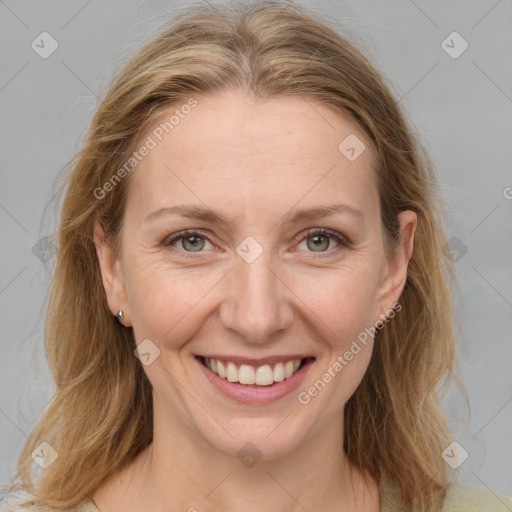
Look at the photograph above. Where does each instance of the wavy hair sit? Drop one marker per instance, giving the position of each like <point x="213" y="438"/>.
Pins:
<point x="100" y="415"/>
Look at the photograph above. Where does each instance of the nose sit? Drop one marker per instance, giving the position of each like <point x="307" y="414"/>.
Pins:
<point x="256" y="304"/>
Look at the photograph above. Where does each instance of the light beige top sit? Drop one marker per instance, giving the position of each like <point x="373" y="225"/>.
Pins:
<point x="459" y="498"/>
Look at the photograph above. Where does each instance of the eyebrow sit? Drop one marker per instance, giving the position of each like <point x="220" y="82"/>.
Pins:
<point x="292" y="217"/>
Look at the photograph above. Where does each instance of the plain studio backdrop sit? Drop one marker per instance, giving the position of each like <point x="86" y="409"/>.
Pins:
<point x="450" y="66"/>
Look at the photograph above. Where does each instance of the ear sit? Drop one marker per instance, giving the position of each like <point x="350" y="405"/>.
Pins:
<point x="394" y="273"/>
<point x="111" y="274"/>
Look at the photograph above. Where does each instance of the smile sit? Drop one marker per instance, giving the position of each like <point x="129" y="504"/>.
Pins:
<point x="255" y="383"/>
<point x="264" y="375"/>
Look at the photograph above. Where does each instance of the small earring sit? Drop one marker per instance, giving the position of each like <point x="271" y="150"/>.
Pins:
<point x="120" y="316"/>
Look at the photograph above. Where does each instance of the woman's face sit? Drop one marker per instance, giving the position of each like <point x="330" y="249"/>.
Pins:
<point x="257" y="285"/>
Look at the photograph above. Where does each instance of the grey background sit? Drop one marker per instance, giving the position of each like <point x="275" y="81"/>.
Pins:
<point x="460" y="106"/>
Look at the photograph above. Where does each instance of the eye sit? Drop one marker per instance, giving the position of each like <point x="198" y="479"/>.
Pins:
<point x="319" y="240"/>
<point x="190" y="240"/>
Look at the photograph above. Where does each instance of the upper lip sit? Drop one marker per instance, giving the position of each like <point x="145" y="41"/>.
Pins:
<point x="257" y="361"/>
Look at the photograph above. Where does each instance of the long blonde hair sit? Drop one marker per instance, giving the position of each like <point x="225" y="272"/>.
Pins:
<point x="100" y="416"/>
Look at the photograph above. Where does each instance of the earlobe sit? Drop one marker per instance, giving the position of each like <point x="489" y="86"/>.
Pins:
<point x="110" y="274"/>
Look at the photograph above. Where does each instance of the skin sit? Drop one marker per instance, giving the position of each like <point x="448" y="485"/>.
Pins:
<point x="252" y="162"/>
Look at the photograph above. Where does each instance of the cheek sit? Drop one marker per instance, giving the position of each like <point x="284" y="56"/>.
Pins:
<point x="343" y="300"/>
<point x="345" y="306"/>
<point x="167" y="304"/>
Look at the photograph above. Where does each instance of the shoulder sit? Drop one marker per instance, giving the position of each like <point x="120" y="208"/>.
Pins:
<point x="459" y="497"/>
<point x="462" y="497"/>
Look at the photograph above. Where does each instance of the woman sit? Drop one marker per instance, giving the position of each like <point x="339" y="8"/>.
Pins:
<point x="251" y="306"/>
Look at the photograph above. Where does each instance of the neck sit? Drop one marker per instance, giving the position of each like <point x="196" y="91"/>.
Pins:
<point x="181" y="471"/>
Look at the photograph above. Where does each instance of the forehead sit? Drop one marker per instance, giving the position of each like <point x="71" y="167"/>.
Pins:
<point x="229" y="145"/>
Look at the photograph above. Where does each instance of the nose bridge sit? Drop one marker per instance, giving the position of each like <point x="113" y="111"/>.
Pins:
<point x="257" y="305"/>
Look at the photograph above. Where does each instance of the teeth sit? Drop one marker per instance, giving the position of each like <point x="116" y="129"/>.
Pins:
<point x="232" y="372"/>
<point x="278" y="372"/>
<point x="246" y="374"/>
<point x="221" y="369"/>
<point x="264" y="375"/>
<point x="288" y="369"/>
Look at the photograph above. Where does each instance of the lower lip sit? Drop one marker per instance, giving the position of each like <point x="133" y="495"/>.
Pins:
<point x="249" y="394"/>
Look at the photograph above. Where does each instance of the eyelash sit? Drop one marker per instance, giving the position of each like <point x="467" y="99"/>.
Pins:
<point x="341" y="240"/>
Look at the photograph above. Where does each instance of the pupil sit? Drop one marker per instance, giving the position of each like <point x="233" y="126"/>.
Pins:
<point x="317" y="241"/>
<point x="193" y="240"/>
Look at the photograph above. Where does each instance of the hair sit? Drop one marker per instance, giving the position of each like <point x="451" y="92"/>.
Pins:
<point x="100" y="416"/>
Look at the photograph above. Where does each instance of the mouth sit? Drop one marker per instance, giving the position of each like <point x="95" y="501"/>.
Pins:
<point x="254" y="375"/>
<point x="253" y="381"/>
